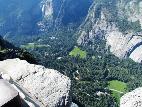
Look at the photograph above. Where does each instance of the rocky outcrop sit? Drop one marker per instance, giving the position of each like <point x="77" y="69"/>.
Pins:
<point x="132" y="99"/>
<point x="47" y="86"/>
<point x="116" y="22"/>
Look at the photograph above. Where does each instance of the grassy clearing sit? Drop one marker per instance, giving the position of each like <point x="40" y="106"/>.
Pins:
<point x="32" y="46"/>
<point x="78" y="52"/>
<point x="3" y="51"/>
<point x="118" y="88"/>
<point x="117" y="85"/>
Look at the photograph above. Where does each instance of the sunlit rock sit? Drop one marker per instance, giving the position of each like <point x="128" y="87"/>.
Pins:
<point x="48" y="86"/>
<point x="132" y="99"/>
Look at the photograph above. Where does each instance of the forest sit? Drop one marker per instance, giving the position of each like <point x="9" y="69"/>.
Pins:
<point x="97" y="75"/>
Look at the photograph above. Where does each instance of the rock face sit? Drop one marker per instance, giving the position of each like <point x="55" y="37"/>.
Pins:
<point x="133" y="9"/>
<point x="117" y="22"/>
<point x="132" y="99"/>
<point x="48" y="86"/>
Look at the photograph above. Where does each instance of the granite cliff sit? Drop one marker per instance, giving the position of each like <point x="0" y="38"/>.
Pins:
<point x="119" y="23"/>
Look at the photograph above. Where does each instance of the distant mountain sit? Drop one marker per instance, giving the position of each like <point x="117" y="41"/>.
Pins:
<point x="28" y="17"/>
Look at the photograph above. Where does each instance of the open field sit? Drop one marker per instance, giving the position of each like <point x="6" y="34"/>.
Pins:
<point x="78" y="52"/>
<point x="118" y="88"/>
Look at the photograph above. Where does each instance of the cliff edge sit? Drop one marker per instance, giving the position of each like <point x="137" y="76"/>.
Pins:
<point x="47" y="86"/>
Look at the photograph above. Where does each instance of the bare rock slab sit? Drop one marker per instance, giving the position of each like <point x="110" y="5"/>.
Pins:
<point x="132" y="99"/>
<point x="48" y="86"/>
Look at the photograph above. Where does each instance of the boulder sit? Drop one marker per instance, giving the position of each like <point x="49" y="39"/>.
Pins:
<point x="47" y="86"/>
<point x="132" y="99"/>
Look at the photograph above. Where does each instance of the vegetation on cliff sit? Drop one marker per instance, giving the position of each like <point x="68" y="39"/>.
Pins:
<point x="9" y="51"/>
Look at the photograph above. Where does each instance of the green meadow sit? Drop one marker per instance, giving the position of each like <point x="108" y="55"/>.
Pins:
<point x="78" y="52"/>
<point x="118" y="88"/>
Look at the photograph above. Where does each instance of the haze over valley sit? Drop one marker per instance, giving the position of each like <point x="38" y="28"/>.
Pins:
<point x="92" y="49"/>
